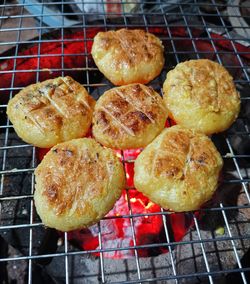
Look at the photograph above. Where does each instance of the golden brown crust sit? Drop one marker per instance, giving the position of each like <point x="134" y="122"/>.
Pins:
<point x="127" y="117"/>
<point x="128" y="56"/>
<point x="200" y="94"/>
<point x="77" y="183"/>
<point x="179" y="170"/>
<point x="52" y="111"/>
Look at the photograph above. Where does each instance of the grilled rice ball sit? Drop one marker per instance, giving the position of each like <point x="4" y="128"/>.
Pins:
<point x="128" y="56"/>
<point x="77" y="184"/>
<point x="201" y="94"/>
<point x="51" y="112"/>
<point x="179" y="170"/>
<point x="128" y="117"/>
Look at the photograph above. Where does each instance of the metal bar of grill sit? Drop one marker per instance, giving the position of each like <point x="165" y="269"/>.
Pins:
<point x="215" y="27"/>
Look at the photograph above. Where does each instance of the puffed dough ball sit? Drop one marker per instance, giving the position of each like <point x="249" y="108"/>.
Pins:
<point x="201" y="94"/>
<point x="77" y="184"/>
<point x="128" y="56"/>
<point x="128" y="117"/>
<point x="51" y="112"/>
<point x="179" y="170"/>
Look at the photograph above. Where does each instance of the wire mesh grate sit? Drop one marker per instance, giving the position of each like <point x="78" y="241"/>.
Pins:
<point x="45" y="39"/>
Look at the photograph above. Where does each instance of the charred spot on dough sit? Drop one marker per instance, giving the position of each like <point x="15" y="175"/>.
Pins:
<point x="40" y="92"/>
<point x="51" y="192"/>
<point x="142" y="116"/>
<point x="114" y="132"/>
<point x="134" y="125"/>
<point x="173" y="171"/>
<point x="153" y="115"/>
<point x="135" y="120"/>
<point x="65" y="157"/>
<point x="102" y="117"/>
<point x="50" y="113"/>
<point x="69" y="80"/>
<point x="202" y="159"/>
<point x="82" y="108"/>
<point x="63" y="161"/>
<point x="68" y="152"/>
<point x="28" y="96"/>
<point x="59" y="93"/>
<point x="177" y="141"/>
<point x="136" y="88"/>
<point x="168" y="166"/>
<point x="136" y="116"/>
<point x="119" y="103"/>
<point x="146" y="54"/>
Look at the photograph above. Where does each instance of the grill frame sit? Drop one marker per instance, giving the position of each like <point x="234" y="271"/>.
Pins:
<point x="4" y="147"/>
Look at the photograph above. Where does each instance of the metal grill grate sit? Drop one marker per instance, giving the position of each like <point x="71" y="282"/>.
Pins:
<point x="207" y="23"/>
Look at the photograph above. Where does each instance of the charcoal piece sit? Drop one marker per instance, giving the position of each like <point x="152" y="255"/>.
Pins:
<point x="236" y="277"/>
<point x="3" y="265"/>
